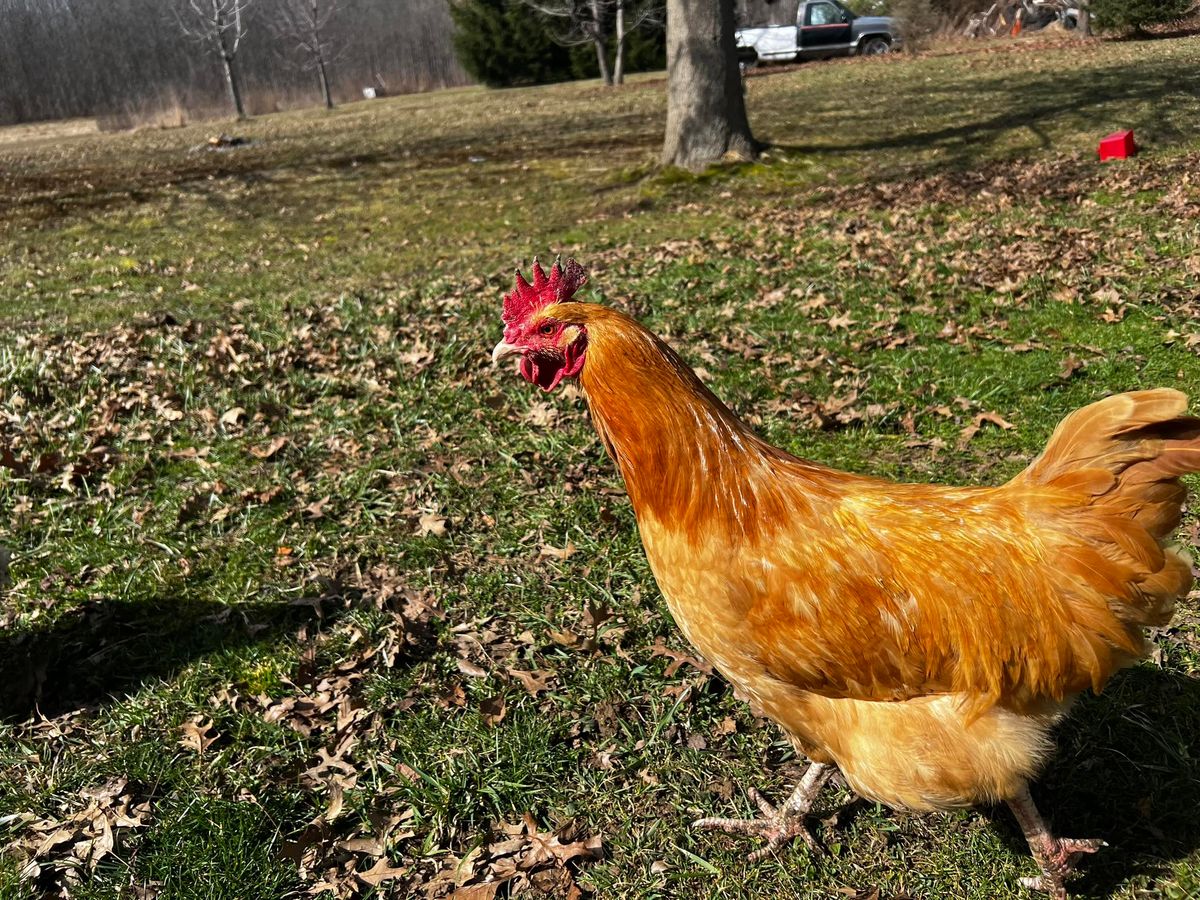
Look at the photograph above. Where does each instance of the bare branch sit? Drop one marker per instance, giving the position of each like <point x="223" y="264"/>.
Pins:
<point x="219" y="27"/>
<point x="304" y="26"/>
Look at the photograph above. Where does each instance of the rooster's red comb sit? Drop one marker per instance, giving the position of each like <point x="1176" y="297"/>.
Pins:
<point x="557" y="287"/>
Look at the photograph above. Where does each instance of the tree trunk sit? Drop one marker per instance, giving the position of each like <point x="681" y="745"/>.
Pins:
<point x="600" y="42"/>
<point x="618" y="65"/>
<point x="324" y="76"/>
<point x="706" y="111"/>
<point x="619" y="28"/>
<point x="232" y="86"/>
<point x="1083" y="23"/>
<point x="602" y="60"/>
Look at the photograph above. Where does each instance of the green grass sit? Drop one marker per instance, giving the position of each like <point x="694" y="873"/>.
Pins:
<point x="929" y="239"/>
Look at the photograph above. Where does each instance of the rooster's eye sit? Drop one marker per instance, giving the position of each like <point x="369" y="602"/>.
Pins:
<point x="547" y="328"/>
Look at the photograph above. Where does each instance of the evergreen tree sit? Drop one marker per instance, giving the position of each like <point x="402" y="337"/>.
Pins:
<point x="1110" y="15"/>
<point x="505" y="42"/>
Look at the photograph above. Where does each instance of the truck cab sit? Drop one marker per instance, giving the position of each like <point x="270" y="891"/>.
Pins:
<point x="819" y="29"/>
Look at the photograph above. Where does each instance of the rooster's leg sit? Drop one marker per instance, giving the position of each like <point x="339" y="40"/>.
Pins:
<point x="1055" y="856"/>
<point x="782" y="824"/>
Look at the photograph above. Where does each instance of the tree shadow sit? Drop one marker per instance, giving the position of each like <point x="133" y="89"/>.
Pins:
<point x="105" y="649"/>
<point x="1004" y="104"/>
<point x="1127" y="771"/>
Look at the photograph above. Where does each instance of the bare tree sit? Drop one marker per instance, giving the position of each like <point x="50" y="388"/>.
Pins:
<point x="219" y="27"/>
<point x="706" y="111"/>
<point x="587" y="22"/>
<point x="127" y="62"/>
<point x="629" y="16"/>
<point x="583" y="23"/>
<point x="305" y="25"/>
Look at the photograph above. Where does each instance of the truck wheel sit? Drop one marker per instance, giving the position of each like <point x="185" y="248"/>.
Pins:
<point x="875" y="46"/>
<point x="747" y="61"/>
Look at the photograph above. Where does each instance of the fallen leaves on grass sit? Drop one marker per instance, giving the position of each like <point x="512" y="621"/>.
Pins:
<point x="561" y="553"/>
<point x="521" y="858"/>
<point x="270" y="450"/>
<point x="56" y="851"/>
<point x="493" y="710"/>
<point x="992" y="418"/>
<point x="536" y="682"/>
<point x="679" y="659"/>
<point x="328" y="710"/>
<point x="198" y="734"/>
<point x="432" y="524"/>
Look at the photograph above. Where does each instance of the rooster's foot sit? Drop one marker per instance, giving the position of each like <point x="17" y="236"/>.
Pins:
<point x="778" y="825"/>
<point x="1056" y="857"/>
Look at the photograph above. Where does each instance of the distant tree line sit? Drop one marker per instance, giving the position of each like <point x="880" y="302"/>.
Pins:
<point x="129" y="61"/>
<point x="512" y="42"/>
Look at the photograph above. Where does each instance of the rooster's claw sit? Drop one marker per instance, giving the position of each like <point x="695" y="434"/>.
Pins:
<point x="776" y="827"/>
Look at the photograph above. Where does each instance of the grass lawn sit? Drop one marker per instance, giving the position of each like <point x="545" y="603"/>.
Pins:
<point x="304" y="598"/>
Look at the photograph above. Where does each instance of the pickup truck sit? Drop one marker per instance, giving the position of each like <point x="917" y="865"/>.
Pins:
<point x="822" y="28"/>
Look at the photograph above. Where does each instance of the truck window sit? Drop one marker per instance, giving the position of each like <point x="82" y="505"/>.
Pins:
<point x="823" y="14"/>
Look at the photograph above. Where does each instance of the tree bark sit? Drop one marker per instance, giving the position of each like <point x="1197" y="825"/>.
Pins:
<point x="324" y="76"/>
<point x="234" y="89"/>
<point x="619" y="31"/>
<point x="706" y="111"/>
<point x="602" y="60"/>
<point x="600" y="42"/>
<point x="1083" y="23"/>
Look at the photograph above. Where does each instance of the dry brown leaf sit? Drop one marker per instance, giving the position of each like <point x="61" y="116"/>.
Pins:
<point x="268" y="452"/>
<point x="197" y="734"/>
<point x="1070" y="366"/>
<point x="316" y="510"/>
<point x="679" y="659"/>
<point x="485" y="891"/>
<point x="542" y="414"/>
<point x="566" y="552"/>
<point x="84" y="838"/>
<point x="419" y="357"/>
<point x="380" y="872"/>
<point x="337" y="795"/>
<point x="995" y="419"/>
<point x="536" y="682"/>
<point x="843" y="321"/>
<point x="965" y="436"/>
<point x="469" y="668"/>
<point x="368" y="846"/>
<point x="493" y="709"/>
<point x="566" y="638"/>
<point x="431" y="524"/>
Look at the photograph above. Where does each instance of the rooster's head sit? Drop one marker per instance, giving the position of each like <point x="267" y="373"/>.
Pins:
<point x="550" y="349"/>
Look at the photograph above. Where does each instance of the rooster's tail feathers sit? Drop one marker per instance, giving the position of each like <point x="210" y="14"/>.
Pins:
<point x="1122" y="458"/>
<point x="1127" y="451"/>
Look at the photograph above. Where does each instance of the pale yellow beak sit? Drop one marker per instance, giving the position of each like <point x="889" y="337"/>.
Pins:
<point x="503" y="351"/>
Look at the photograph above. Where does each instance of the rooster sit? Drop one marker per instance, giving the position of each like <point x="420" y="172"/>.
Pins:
<point x="921" y="639"/>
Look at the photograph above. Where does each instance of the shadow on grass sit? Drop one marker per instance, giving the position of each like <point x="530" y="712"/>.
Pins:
<point x="1127" y="771"/>
<point x="969" y="126"/>
<point x="107" y="648"/>
<point x="104" y="649"/>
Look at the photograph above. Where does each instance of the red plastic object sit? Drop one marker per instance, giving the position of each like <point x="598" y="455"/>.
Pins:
<point x="1118" y="145"/>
